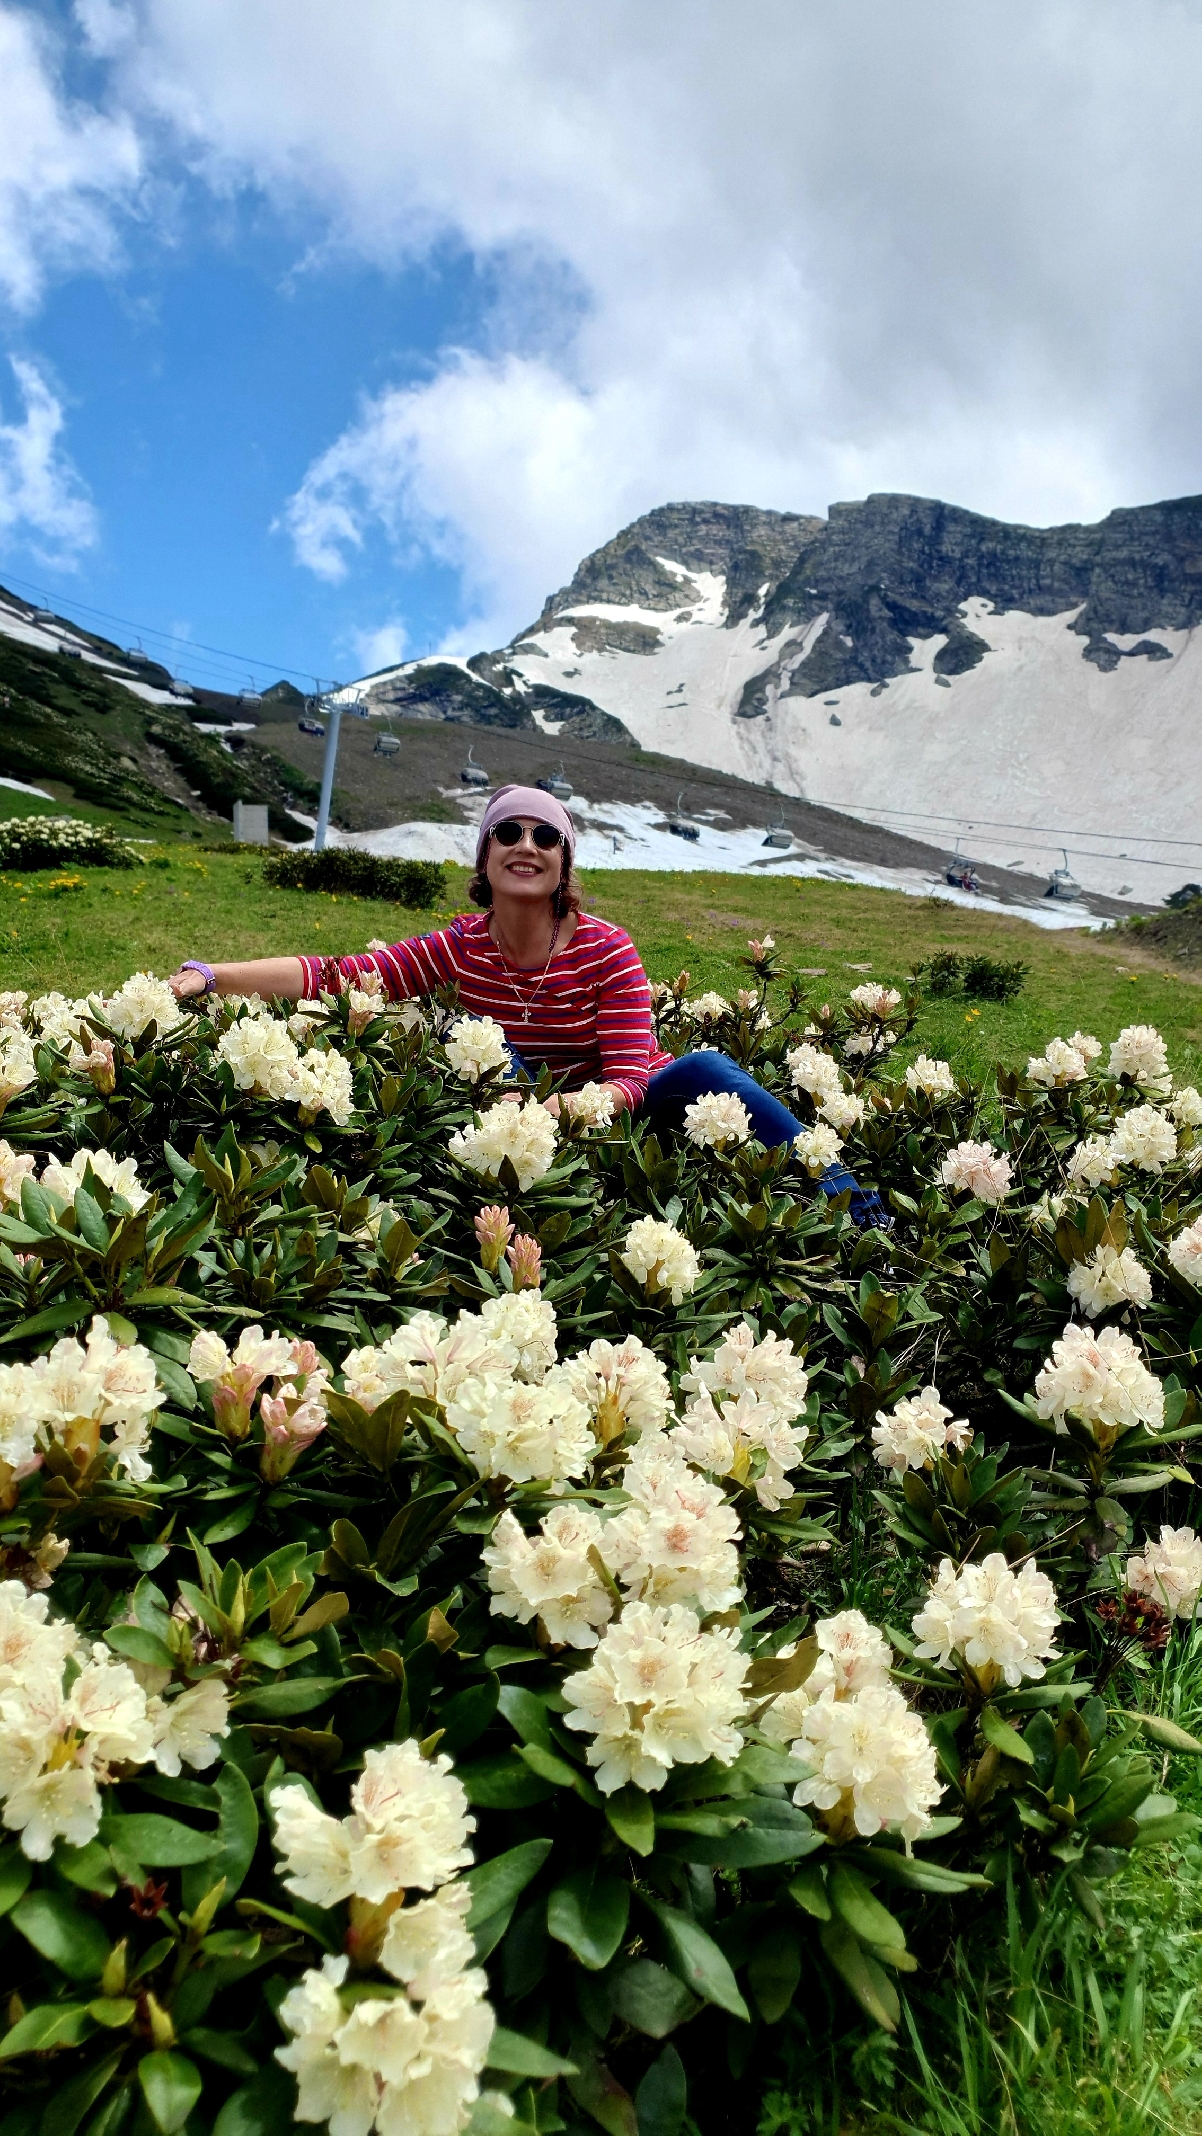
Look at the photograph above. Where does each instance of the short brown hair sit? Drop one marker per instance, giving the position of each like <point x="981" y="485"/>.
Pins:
<point x="569" y="897"/>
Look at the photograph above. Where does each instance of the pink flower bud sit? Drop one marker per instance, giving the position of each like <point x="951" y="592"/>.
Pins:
<point x="99" y="1065"/>
<point x="494" y="1231"/>
<point x="288" y="1428"/>
<point x="525" y="1258"/>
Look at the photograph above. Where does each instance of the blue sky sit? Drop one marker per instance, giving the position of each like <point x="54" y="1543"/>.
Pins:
<point x="342" y="332"/>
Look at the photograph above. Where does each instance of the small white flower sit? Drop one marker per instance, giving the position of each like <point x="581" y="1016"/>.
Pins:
<point x="1170" y="1571"/>
<point x="187" y="1728"/>
<point x="1139" y="1053"/>
<point x="1185" y="1253"/>
<point x="1107" y="1279"/>
<point x="997" y="1622"/>
<point x="14" y="1168"/>
<point x="977" y="1168"/>
<point x="143" y="1000"/>
<point x="548" y="1575"/>
<point x="844" y="1110"/>
<point x="526" y="1434"/>
<point x="813" y="1070"/>
<point x="817" y="1147"/>
<point x="658" y="1692"/>
<point x="120" y="1174"/>
<point x="706" y="1008"/>
<point x="1145" y="1137"/>
<point x="677" y="1540"/>
<point x="475" y="1046"/>
<point x="1060" y="1063"/>
<point x="1186" y="1107"/>
<point x="916" y="1432"/>
<point x="1086" y="1045"/>
<point x="718" y="1120"/>
<point x="933" y="1078"/>
<point x="624" y="1387"/>
<point x="660" y="1258"/>
<point x="875" y="1000"/>
<point x="525" y="1134"/>
<point x="590" y="1106"/>
<point x="261" y="1055"/>
<point x="1093" y="1163"/>
<point x="324" y="1083"/>
<point x="523" y="1325"/>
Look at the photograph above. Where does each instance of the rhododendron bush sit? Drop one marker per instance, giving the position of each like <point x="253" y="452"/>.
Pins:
<point x="506" y="1617"/>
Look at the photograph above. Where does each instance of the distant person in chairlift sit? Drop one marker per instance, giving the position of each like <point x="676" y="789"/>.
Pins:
<point x="568" y="989"/>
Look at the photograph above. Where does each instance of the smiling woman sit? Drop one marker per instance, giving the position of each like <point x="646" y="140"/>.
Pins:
<point x="567" y="988"/>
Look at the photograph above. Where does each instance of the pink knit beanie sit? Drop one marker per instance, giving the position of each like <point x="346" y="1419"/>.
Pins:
<point x="525" y="801"/>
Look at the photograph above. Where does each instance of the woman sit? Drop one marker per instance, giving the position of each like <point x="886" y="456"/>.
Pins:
<point x="567" y="988"/>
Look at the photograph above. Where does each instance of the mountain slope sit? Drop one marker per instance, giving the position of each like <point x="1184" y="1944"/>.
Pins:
<point x="1026" y="686"/>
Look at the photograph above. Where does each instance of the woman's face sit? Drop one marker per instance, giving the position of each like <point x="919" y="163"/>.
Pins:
<point x="524" y="871"/>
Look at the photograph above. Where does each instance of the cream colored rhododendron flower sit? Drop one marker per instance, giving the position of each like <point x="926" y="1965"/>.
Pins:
<point x="235" y="1378"/>
<point x="590" y="1106"/>
<point x="408" y="1830"/>
<point x="813" y="1070"/>
<point x="977" y="1168"/>
<point x="75" y="1392"/>
<point x="187" y="1728"/>
<point x="677" y="1539"/>
<point x="660" y="1257"/>
<point x="1100" y="1379"/>
<point x="61" y="1021"/>
<point x="844" y="1110"/>
<point x="1093" y="1163"/>
<point x="18" y="1069"/>
<point x="1139" y="1053"/>
<point x="324" y="1083"/>
<point x="770" y="1369"/>
<point x="1169" y="1571"/>
<point x="1185" y="1253"/>
<point x="743" y="1440"/>
<point x="874" y="999"/>
<point x="873" y="1764"/>
<point x="525" y="1134"/>
<point x="998" y="1623"/>
<point x="1144" y="1137"/>
<point x="623" y="1385"/>
<point x="522" y="1324"/>
<point x="142" y="1000"/>
<point x="934" y="1079"/>
<point x="426" y="1356"/>
<point x="549" y="1575"/>
<point x="1186" y="1106"/>
<point x="119" y="1174"/>
<point x="817" y="1147"/>
<point x="475" y="1046"/>
<point x="916" y="1432"/>
<point x="706" y="1008"/>
<point x="658" y="1692"/>
<point x="1109" y="1278"/>
<point x="261" y="1055"/>
<point x="1058" y="1064"/>
<point x="523" y="1433"/>
<point x="852" y="1654"/>
<point x="12" y="1007"/>
<point x="717" y="1121"/>
<point x="14" y="1168"/>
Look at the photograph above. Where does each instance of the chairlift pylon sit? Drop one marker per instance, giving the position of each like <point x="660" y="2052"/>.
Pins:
<point x="474" y="774"/>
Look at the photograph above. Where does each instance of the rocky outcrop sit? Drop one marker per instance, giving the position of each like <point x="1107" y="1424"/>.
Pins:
<point x="751" y="549"/>
<point x="486" y="692"/>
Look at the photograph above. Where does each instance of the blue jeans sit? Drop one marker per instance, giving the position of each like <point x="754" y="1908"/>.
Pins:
<point x="695" y="1075"/>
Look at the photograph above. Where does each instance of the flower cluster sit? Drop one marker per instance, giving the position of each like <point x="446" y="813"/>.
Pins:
<point x="986" y="1618"/>
<point x="142" y="1000"/>
<point x="873" y="999"/>
<point x="1169" y="1571"/>
<point x="1185" y="1252"/>
<point x="930" y="1078"/>
<point x="264" y="1059"/>
<point x="1139" y="1055"/>
<point x="1107" y="1279"/>
<point x="475" y="1046"/>
<point x="977" y="1168"/>
<point x="658" y="1692"/>
<point x="590" y="1106"/>
<point x="706" y="1009"/>
<point x="660" y="1258"/>
<point x="916" y="1432"/>
<point x="70" y="1712"/>
<point x="120" y="1175"/>
<point x="1144" y="1137"/>
<point x="71" y="1396"/>
<point x="292" y="1412"/>
<point x="817" y="1147"/>
<point x="624" y="1386"/>
<point x="740" y="1422"/>
<point x="814" y="1071"/>
<point x="1062" y="1061"/>
<point x="1100" y="1379"/>
<point x="525" y="1134"/>
<point x="407" y="2061"/>
<point x="717" y="1121"/>
<point x="45" y="841"/>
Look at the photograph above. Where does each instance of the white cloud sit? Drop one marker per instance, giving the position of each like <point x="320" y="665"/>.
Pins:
<point x="41" y="498"/>
<point x="64" y="168"/>
<point x="777" y="254"/>
<point x="382" y="647"/>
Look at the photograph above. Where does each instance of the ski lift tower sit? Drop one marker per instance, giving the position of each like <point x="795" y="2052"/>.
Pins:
<point x="326" y="707"/>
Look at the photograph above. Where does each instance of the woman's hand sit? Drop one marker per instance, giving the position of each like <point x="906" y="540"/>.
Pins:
<point x="186" y="985"/>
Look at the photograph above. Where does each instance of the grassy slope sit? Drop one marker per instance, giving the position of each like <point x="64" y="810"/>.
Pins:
<point x="214" y="905"/>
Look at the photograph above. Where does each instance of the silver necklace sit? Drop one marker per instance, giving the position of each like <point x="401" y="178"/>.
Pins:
<point x="526" y="1000"/>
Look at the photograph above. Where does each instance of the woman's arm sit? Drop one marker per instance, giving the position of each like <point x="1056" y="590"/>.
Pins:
<point x="280" y="977"/>
<point x="624" y="1024"/>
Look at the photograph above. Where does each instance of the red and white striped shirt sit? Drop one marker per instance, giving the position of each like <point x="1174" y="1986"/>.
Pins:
<point x="590" y="1020"/>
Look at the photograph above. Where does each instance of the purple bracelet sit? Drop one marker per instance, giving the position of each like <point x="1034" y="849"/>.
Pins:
<point x="193" y="964"/>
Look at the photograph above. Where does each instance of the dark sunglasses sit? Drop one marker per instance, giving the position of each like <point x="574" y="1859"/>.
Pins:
<point x="544" y="835"/>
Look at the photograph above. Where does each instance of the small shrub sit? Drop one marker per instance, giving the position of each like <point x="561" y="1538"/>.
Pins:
<point x="49" y="841"/>
<point x="944" y="972"/>
<point x="1189" y="894"/>
<point x="399" y="882"/>
<point x="994" y="978"/>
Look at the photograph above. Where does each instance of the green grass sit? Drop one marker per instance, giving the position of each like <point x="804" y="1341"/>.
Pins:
<point x="215" y="905"/>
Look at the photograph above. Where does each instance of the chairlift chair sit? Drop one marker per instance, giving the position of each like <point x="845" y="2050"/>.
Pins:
<point x="559" y="787"/>
<point x="961" y="873"/>
<point x="680" y="827"/>
<point x="1061" y="881"/>
<point x="179" y="688"/>
<point x="136" y="657"/>
<point x="250" y="698"/>
<point x="474" y="774"/>
<point x="778" y="836"/>
<point x="44" y="615"/>
<point x="387" y="745"/>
